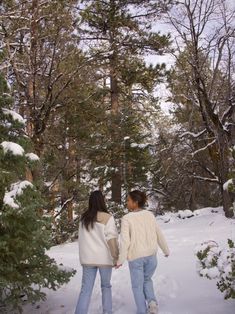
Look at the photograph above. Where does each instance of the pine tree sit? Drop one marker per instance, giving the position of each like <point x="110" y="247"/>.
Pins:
<point x="42" y="60"/>
<point x="119" y="36"/>
<point x="25" y="268"/>
<point x="39" y="51"/>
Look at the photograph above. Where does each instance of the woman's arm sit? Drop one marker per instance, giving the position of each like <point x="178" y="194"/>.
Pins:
<point x="111" y="235"/>
<point x="162" y="241"/>
<point x="124" y="241"/>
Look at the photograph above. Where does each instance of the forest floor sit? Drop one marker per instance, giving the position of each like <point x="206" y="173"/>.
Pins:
<point x="179" y="289"/>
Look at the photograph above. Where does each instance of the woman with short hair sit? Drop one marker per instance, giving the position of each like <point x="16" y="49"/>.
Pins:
<point x="140" y="238"/>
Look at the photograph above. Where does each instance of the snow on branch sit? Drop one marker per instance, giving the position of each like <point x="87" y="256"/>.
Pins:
<point x="32" y="156"/>
<point x="63" y="206"/>
<point x="15" y="116"/>
<point x="228" y="112"/>
<point x="204" y="148"/>
<point x="213" y="180"/>
<point x="227" y="184"/>
<point x="195" y="135"/>
<point x="16" y="189"/>
<point x="134" y="145"/>
<point x="14" y="17"/>
<point x="13" y="148"/>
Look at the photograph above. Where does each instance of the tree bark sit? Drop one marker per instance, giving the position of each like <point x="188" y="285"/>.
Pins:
<point x="116" y="179"/>
<point x="223" y="150"/>
<point x="30" y="91"/>
<point x="192" y="201"/>
<point x="115" y="138"/>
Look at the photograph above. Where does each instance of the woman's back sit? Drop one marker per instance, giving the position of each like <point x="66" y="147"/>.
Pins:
<point x="98" y="252"/>
<point x="140" y="236"/>
<point x="98" y="244"/>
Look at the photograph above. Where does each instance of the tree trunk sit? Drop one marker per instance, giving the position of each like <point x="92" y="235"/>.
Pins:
<point x="31" y="82"/>
<point x="115" y="135"/>
<point x="192" y="201"/>
<point x="223" y="151"/>
<point x="233" y="127"/>
<point x="116" y="180"/>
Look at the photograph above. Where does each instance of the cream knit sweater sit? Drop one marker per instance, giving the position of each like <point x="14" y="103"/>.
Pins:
<point x="140" y="236"/>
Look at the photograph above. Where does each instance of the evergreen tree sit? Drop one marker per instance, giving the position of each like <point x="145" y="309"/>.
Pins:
<point x="24" y="234"/>
<point x="119" y="36"/>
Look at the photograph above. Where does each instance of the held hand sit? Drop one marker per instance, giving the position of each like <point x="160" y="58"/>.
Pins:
<point x="118" y="266"/>
<point x="166" y="255"/>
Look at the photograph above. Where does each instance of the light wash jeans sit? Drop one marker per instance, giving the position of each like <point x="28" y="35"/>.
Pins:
<point x="141" y="271"/>
<point x="88" y="280"/>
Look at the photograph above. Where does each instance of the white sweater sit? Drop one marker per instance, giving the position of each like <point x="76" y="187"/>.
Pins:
<point x="98" y="246"/>
<point x="140" y="236"/>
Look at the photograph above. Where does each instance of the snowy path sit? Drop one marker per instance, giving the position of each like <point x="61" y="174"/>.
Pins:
<point x="179" y="289"/>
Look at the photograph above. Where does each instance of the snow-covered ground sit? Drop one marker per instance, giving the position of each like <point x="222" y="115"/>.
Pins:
<point x="178" y="287"/>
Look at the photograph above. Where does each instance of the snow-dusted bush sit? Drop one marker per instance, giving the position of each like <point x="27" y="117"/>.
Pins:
<point x="217" y="263"/>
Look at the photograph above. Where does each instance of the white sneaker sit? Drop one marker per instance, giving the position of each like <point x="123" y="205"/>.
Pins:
<point x="153" y="308"/>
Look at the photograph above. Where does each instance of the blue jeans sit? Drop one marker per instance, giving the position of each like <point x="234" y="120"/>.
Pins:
<point x="88" y="280"/>
<point x="141" y="271"/>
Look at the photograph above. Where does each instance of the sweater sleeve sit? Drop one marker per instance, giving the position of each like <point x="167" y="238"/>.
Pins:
<point x="124" y="241"/>
<point x="111" y="235"/>
<point x="161" y="240"/>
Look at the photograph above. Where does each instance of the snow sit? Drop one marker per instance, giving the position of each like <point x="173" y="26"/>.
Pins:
<point x="185" y="213"/>
<point x="213" y="272"/>
<point x="32" y="156"/>
<point x="195" y="135"/>
<point x="227" y="269"/>
<point x="179" y="288"/>
<point x="133" y="145"/>
<point x="16" y="189"/>
<point x="15" y="116"/>
<point x="11" y="147"/>
<point x="203" y="148"/>
<point x="227" y="184"/>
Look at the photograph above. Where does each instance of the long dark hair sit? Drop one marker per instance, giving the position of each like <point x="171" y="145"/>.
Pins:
<point x="139" y="197"/>
<point x="96" y="203"/>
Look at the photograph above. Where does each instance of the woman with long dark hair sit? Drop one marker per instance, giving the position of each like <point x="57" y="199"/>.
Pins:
<point x="98" y="251"/>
